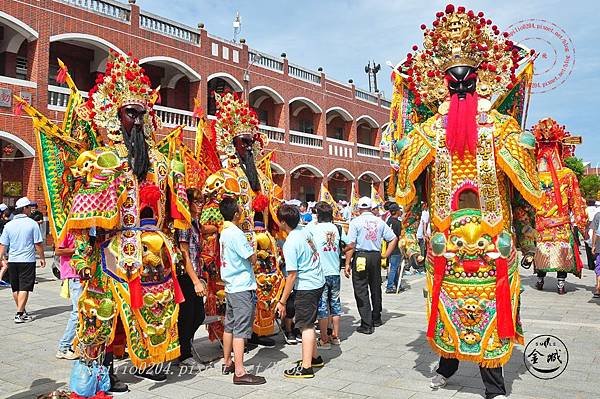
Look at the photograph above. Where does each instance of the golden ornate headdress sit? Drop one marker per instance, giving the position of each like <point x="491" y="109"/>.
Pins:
<point x="236" y="118"/>
<point x="124" y="83"/>
<point x="548" y="133"/>
<point x="461" y="38"/>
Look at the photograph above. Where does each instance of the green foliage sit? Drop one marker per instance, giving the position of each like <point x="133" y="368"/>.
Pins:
<point x="576" y="165"/>
<point x="590" y="185"/>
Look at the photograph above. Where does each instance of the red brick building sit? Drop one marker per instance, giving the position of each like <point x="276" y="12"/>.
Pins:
<point x="322" y="131"/>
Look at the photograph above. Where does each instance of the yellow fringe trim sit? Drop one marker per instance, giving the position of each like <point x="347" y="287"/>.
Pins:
<point x="488" y="363"/>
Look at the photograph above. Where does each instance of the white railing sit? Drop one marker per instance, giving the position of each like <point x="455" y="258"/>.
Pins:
<point x="304" y="74"/>
<point x="109" y="8"/>
<point x="58" y="97"/>
<point x="265" y="61"/>
<point x="365" y="95"/>
<point x="275" y="134"/>
<point x="306" y="139"/>
<point x="167" y="27"/>
<point x="173" y="117"/>
<point x="367" y="150"/>
<point x="386" y="103"/>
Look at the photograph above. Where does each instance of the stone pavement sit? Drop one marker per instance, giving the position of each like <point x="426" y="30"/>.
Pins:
<point x="395" y="362"/>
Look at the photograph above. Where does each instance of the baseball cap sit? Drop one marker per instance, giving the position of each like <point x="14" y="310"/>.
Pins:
<point x="364" y="203"/>
<point x="3" y="207"/>
<point x="394" y="207"/>
<point x="22" y="202"/>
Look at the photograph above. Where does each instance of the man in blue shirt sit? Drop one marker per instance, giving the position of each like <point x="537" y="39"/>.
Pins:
<point x="363" y="261"/>
<point x="237" y="258"/>
<point x="326" y="237"/>
<point x="23" y="238"/>
<point x="305" y="276"/>
<point x="305" y="215"/>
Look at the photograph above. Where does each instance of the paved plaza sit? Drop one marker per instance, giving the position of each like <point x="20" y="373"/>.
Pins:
<point x="395" y="362"/>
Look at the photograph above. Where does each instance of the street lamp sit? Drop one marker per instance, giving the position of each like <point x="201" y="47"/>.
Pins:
<point x="246" y="76"/>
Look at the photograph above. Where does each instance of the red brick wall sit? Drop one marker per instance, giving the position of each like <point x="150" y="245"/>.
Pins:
<point x="51" y="18"/>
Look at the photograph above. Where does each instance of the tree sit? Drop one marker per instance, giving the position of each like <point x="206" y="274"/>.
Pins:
<point x="576" y="165"/>
<point x="590" y="185"/>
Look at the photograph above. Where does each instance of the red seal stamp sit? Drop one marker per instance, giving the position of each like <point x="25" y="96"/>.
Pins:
<point x="555" y="49"/>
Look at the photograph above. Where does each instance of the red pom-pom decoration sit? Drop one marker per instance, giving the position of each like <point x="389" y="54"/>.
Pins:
<point x="260" y="203"/>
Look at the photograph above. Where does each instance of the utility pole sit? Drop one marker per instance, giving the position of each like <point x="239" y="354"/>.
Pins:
<point x="372" y="72"/>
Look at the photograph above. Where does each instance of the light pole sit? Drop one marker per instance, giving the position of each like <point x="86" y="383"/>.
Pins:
<point x="246" y="76"/>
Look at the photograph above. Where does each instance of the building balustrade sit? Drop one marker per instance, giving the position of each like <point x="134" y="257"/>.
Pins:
<point x="172" y="117"/>
<point x="275" y="134"/>
<point x="112" y="9"/>
<point x="306" y="139"/>
<point x="365" y="95"/>
<point x="367" y="150"/>
<point x="304" y="74"/>
<point x="265" y="61"/>
<point x="169" y="28"/>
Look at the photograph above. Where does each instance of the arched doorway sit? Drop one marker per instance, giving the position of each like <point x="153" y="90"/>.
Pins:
<point x="220" y="82"/>
<point x="366" y="182"/>
<point x="305" y="183"/>
<point x="16" y="157"/>
<point x="339" y="184"/>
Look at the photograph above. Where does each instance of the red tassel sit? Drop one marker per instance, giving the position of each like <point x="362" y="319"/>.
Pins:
<point x="135" y="293"/>
<point x="439" y="265"/>
<point x="61" y="75"/>
<point x="260" y="203"/>
<point x="177" y="288"/>
<point x="149" y="196"/>
<point x="18" y="108"/>
<point x="175" y="214"/>
<point x="504" y="318"/>
<point x="578" y="261"/>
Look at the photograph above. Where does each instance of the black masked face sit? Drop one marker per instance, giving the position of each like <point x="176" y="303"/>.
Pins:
<point x="462" y="80"/>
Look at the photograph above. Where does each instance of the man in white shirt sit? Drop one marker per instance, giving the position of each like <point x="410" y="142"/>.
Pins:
<point x="424" y="229"/>
<point x="363" y="260"/>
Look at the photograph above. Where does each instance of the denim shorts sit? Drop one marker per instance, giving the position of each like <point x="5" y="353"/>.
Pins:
<point x="330" y="304"/>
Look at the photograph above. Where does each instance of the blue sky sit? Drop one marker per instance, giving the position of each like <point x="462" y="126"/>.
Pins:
<point x="343" y="35"/>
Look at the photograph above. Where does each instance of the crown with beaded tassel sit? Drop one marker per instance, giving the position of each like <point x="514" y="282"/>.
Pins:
<point x="124" y="83"/>
<point x="236" y="118"/>
<point x="461" y="38"/>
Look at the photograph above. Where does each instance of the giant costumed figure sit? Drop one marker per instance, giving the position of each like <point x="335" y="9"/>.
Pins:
<point x="469" y="163"/>
<point x="241" y="144"/>
<point x="102" y="171"/>
<point x="563" y="207"/>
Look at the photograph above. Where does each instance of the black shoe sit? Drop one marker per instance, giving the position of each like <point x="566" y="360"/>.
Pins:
<point x="539" y="285"/>
<point x="298" y="334"/>
<point x="364" y="330"/>
<point x="377" y="323"/>
<point x="316" y="362"/>
<point x="290" y="338"/>
<point x="390" y="291"/>
<point x="299" y="372"/>
<point x="249" y="379"/>
<point x="151" y="375"/>
<point x="117" y="387"/>
<point x="262" y="341"/>
<point x="226" y="370"/>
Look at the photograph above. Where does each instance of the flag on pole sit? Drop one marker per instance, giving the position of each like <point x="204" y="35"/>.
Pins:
<point x="516" y="101"/>
<point x="326" y="196"/>
<point x="376" y="199"/>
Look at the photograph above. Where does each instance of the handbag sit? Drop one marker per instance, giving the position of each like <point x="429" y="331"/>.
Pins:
<point x="88" y="380"/>
<point x="55" y="266"/>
